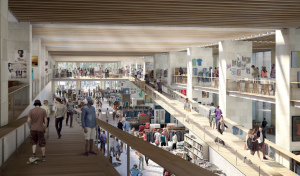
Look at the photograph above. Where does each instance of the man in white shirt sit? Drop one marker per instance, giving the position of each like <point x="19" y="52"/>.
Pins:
<point x="111" y="145"/>
<point x="261" y="141"/>
<point x="157" y="137"/>
<point x="212" y="115"/>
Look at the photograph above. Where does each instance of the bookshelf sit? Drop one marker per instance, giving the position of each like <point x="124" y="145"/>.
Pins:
<point x="195" y="148"/>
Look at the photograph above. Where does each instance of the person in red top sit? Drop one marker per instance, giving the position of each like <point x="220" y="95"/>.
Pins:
<point x="141" y="128"/>
<point x="144" y="136"/>
<point x="166" y="172"/>
<point x="166" y="134"/>
<point x="36" y="118"/>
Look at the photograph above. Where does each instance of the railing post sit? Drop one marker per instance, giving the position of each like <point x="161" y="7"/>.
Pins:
<point x="22" y="98"/>
<point x="24" y="132"/>
<point x="2" y="154"/>
<point x="128" y="160"/>
<point x="13" y="104"/>
<point x="16" y="141"/>
<point x="107" y="150"/>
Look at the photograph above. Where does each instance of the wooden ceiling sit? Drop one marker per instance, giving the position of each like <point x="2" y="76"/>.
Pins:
<point x="260" y="43"/>
<point x="205" y="13"/>
<point x="127" y="42"/>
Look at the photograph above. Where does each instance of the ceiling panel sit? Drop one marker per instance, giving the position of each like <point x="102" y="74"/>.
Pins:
<point x="217" y="13"/>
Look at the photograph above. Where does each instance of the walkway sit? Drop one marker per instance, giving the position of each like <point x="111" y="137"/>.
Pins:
<point x="200" y="126"/>
<point x="64" y="157"/>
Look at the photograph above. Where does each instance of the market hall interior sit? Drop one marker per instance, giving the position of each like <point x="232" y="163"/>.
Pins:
<point x="165" y="67"/>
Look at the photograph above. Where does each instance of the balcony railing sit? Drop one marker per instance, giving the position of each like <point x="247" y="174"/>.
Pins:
<point x="180" y="79"/>
<point x="263" y="86"/>
<point x="211" y="82"/>
<point x="99" y="75"/>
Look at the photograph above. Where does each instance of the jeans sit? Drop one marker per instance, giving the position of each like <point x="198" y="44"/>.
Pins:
<point x="141" y="161"/>
<point x="272" y="87"/>
<point x="71" y="118"/>
<point x="217" y="120"/>
<point x="112" y="149"/>
<point x="264" y="131"/>
<point x="146" y="159"/>
<point x="58" y="124"/>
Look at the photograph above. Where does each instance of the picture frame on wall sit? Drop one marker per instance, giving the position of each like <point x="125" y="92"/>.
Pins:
<point x="19" y="70"/>
<point x="295" y="128"/>
<point x="248" y="60"/>
<point x="205" y="94"/>
<point x="243" y="66"/>
<point x="248" y="71"/>
<point x="233" y="63"/>
<point x="239" y="72"/>
<point x="295" y="59"/>
<point x="233" y="71"/>
<point x="20" y="56"/>
<point x="34" y="61"/>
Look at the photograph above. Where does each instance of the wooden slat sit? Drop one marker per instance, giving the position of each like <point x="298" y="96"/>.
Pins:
<point x="228" y="13"/>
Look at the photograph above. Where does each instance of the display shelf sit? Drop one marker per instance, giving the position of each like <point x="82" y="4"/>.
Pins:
<point x="198" y="149"/>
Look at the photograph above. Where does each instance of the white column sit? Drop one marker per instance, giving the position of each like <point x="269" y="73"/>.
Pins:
<point x="4" y="62"/>
<point x="287" y="40"/>
<point x="189" y="86"/>
<point x="236" y="109"/>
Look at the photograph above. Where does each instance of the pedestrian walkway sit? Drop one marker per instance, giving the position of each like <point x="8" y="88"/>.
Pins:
<point x="64" y="157"/>
<point x="152" y="169"/>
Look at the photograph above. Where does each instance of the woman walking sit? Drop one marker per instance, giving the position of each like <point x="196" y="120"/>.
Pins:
<point x="117" y="149"/>
<point x="187" y="107"/>
<point x="255" y="145"/>
<point x="59" y="116"/>
<point x="47" y="109"/>
<point x="107" y="115"/>
<point x="221" y="128"/>
<point x="218" y="114"/>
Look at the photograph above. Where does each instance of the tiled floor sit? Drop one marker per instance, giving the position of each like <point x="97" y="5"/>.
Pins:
<point x="152" y="169"/>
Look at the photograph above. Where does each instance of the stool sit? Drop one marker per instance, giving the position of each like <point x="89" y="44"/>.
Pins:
<point x="247" y="89"/>
<point x="216" y="84"/>
<point x="238" y="86"/>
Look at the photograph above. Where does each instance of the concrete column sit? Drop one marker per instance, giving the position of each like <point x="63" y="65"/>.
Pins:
<point x="4" y="62"/>
<point x="236" y="109"/>
<point x="169" y="78"/>
<point x="273" y="56"/>
<point x="189" y="87"/>
<point x="287" y="40"/>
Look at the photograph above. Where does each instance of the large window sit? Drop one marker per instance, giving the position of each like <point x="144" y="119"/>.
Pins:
<point x="67" y="65"/>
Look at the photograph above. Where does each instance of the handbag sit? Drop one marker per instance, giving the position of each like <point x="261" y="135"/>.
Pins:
<point x="156" y="142"/>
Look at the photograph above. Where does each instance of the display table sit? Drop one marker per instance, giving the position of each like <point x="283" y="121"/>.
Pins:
<point x="154" y="125"/>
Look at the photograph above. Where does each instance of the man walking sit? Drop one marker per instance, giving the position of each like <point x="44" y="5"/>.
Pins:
<point x="159" y="86"/>
<point x="126" y="126"/>
<point x="88" y="120"/>
<point x="264" y="125"/>
<point x="70" y="109"/>
<point x="36" y="118"/>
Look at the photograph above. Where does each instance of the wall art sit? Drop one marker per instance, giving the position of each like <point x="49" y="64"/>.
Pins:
<point x="205" y="94"/>
<point x="46" y="63"/>
<point x="233" y="63"/>
<point x="295" y="59"/>
<point x="243" y="66"/>
<point x="18" y="70"/>
<point x="239" y="72"/>
<point x="248" y="71"/>
<point x="233" y="71"/>
<point x="295" y="128"/>
<point x="248" y="60"/>
<point x="20" y="56"/>
<point x="34" y="61"/>
<point x="228" y="66"/>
